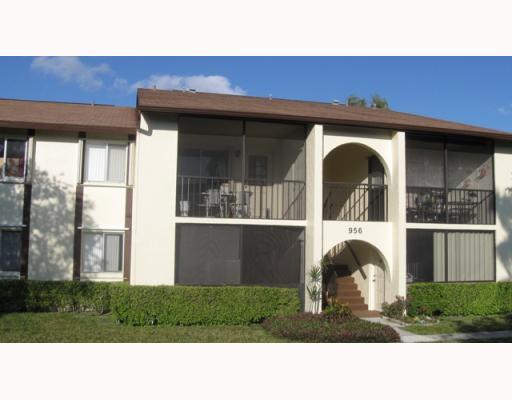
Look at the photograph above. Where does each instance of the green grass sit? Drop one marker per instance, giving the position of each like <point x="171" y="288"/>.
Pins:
<point x="464" y="324"/>
<point x="88" y="328"/>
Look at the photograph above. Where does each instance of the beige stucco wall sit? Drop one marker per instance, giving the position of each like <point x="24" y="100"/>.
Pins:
<point x="104" y="207"/>
<point x="503" y="182"/>
<point x="53" y="207"/>
<point x="313" y="235"/>
<point x="155" y="201"/>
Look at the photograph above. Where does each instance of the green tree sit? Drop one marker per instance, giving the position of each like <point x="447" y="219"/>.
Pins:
<point x="379" y="102"/>
<point x="356" y="101"/>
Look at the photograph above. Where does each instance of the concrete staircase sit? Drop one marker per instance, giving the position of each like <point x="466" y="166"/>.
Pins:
<point x="348" y="293"/>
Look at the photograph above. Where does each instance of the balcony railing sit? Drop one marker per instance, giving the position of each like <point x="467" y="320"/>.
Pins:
<point x="454" y="206"/>
<point x="217" y="197"/>
<point x="355" y="202"/>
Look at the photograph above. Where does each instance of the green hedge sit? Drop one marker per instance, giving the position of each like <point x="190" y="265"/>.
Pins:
<point x="459" y="298"/>
<point x="145" y="305"/>
<point x="183" y="305"/>
<point x="21" y="295"/>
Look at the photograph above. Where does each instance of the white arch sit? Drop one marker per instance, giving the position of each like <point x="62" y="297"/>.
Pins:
<point x="370" y="149"/>
<point x="385" y="262"/>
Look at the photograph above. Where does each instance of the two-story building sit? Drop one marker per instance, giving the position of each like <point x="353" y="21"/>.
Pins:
<point x="206" y="189"/>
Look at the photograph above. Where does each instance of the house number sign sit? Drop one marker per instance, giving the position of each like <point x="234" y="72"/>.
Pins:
<point x="355" y="230"/>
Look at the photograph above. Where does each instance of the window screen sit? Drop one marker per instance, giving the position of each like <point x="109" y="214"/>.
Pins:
<point x="448" y="256"/>
<point x="469" y="166"/>
<point x="272" y="255"/>
<point x="208" y="255"/>
<point x="234" y="254"/>
<point x="102" y="252"/>
<point x="10" y="251"/>
<point x="425" y="163"/>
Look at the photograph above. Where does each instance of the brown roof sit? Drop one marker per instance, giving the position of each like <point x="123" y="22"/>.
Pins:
<point x="305" y="111"/>
<point x="67" y="116"/>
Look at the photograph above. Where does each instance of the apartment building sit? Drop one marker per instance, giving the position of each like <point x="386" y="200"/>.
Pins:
<point x="206" y="189"/>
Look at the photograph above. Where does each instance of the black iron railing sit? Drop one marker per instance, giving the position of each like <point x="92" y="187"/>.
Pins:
<point x="355" y="202"/>
<point x="224" y="197"/>
<point x="452" y="206"/>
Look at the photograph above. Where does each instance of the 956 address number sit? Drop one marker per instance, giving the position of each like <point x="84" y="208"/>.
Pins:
<point x="355" y="230"/>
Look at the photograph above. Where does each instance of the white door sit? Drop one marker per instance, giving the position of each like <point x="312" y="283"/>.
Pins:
<point x="377" y="287"/>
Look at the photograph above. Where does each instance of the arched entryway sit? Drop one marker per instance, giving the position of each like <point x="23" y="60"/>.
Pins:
<point x="357" y="274"/>
<point x="355" y="184"/>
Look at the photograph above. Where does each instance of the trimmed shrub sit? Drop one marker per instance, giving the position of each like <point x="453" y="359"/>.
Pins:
<point x="187" y="305"/>
<point x="338" y="312"/>
<point x="395" y="310"/>
<point x="317" y="328"/>
<point x="21" y="295"/>
<point x="459" y="298"/>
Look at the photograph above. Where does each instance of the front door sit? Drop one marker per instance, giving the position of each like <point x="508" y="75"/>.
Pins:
<point x="377" y="287"/>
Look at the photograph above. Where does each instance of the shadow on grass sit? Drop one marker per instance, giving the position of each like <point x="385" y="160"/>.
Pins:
<point x="483" y="323"/>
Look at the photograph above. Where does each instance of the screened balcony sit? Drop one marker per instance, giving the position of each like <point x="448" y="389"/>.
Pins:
<point x="240" y="169"/>
<point x="449" y="181"/>
<point x="355" y="186"/>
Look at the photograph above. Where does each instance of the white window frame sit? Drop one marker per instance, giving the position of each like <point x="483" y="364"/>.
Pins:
<point x="9" y="229"/>
<point x="103" y="272"/>
<point x="105" y="181"/>
<point x="3" y="156"/>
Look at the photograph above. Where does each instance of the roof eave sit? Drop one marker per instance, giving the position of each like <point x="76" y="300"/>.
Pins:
<point x="320" y="120"/>
<point x="68" y="127"/>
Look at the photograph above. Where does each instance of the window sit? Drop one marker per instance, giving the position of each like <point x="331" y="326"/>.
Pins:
<point x="450" y="256"/>
<point x="450" y="180"/>
<point x="102" y="252"/>
<point x="10" y="250"/>
<point x="239" y="255"/>
<point x="12" y="158"/>
<point x="105" y="163"/>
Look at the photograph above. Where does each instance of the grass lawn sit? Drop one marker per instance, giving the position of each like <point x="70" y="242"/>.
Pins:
<point x="465" y="324"/>
<point x="86" y="328"/>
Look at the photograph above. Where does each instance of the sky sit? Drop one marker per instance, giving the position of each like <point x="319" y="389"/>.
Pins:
<point x="473" y="90"/>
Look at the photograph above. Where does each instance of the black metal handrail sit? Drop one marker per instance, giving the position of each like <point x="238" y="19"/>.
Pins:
<point x="344" y="201"/>
<point x="453" y="206"/>
<point x="227" y="197"/>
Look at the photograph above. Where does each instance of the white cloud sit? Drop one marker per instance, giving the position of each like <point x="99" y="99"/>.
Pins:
<point x="72" y="69"/>
<point x="201" y="83"/>
<point x="505" y="110"/>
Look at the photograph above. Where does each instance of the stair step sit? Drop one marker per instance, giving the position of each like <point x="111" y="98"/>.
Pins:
<point x="348" y="293"/>
<point x="350" y="300"/>
<point x="358" y="307"/>
<point x="346" y="289"/>
<point x="366" y="313"/>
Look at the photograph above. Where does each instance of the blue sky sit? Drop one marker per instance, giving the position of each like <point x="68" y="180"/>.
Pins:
<point x="474" y="90"/>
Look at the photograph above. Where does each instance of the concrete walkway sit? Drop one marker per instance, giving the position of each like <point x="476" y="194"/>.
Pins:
<point x="409" y="337"/>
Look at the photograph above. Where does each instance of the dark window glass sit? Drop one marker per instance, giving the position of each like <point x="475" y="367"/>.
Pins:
<point x="272" y="255"/>
<point x="10" y="250"/>
<point x="258" y="167"/>
<point x="2" y="157"/>
<point x="420" y="251"/>
<point x="189" y="162"/>
<point x="208" y="255"/>
<point x="214" y="163"/>
<point x="234" y="255"/>
<point x="15" y="158"/>
<point x="425" y="163"/>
